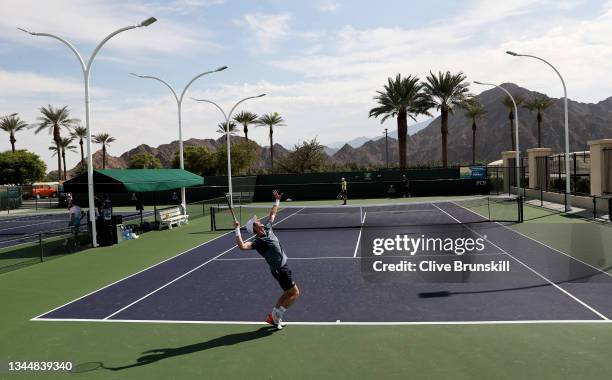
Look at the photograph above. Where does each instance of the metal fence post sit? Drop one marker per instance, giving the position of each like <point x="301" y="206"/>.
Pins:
<point x="40" y="247"/>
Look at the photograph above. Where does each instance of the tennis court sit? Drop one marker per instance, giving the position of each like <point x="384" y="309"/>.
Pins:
<point x="216" y="283"/>
<point x="18" y="229"/>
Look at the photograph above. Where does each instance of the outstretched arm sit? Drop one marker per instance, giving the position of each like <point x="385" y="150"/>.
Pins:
<point x="277" y="197"/>
<point x="239" y="242"/>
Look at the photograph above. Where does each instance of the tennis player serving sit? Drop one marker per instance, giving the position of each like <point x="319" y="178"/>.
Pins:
<point x="267" y="245"/>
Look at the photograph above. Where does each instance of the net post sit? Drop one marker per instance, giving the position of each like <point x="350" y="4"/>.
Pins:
<point x="212" y="219"/>
<point x="40" y="247"/>
<point x="610" y="209"/>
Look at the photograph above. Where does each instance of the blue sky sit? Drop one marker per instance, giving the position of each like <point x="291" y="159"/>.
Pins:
<point x="320" y="61"/>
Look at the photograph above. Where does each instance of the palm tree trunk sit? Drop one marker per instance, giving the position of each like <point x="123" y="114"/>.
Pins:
<point x="58" y="138"/>
<point x="64" y="159"/>
<point x="12" y="139"/>
<point x="444" y="131"/>
<point x="103" y="156"/>
<point x="246" y="137"/>
<point x="402" y="132"/>
<point x="539" y="129"/>
<point x="271" y="150"/>
<point x="59" y="161"/>
<point x="82" y="153"/>
<point x="513" y="146"/>
<point x="474" y="143"/>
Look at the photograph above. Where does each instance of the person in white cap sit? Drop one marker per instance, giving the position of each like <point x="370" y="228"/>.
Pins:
<point x="268" y="246"/>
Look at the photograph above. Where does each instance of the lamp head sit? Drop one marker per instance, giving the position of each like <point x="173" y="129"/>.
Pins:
<point x="261" y="95"/>
<point x="13" y="114"/>
<point x="136" y="75"/>
<point x="511" y="53"/>
<point x="148" y="21"/>
<point x="477" y="82"/>
<point x="26" y="31"/>
<point x="221" y="68"/>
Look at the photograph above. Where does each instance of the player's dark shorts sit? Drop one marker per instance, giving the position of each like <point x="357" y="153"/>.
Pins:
<point x="283" y="276"/>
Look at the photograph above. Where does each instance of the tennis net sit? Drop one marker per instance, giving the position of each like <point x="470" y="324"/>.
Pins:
<point x="469" y="210"/>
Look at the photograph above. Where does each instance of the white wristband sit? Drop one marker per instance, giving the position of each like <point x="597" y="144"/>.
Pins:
<point x="277" y="203"/>
<point x="237" y="231"/>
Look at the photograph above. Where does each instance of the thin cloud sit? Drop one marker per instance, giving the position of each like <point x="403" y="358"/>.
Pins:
<point x="328" y="6"/>
<point x="268" y="29"/>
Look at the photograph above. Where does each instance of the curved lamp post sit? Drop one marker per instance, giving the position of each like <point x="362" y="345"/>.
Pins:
<point x="518" y="150"/>
<point x="179" y="102"/>
<point x="86" y="67"/>
<point x="227" y="117"/>
<point x="568" y="202"/>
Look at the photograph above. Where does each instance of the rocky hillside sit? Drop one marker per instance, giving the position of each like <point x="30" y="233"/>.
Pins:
<point x="587" y="122"/>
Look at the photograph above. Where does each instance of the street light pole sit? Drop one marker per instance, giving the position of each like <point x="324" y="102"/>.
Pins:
<point x="179" y="103"/>
<point x="518" y="150"/>
<point x="86" y="67"/>
<point x="387" y="147"/>
<point x="227" y="117"/>
<point x="568" y="201"/>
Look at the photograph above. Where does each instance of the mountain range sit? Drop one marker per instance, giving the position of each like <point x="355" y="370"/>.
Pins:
<point x="587" y="121"/>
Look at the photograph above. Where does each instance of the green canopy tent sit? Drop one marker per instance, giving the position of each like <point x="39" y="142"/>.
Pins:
<point x="133" y="181"/>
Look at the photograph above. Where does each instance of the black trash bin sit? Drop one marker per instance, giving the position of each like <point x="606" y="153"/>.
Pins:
<point x="107" y="230"/>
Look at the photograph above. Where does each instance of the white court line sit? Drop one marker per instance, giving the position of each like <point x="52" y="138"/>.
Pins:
<point x="34" y="224"/>
<point x="359" y="237"/>
<point x="187" y="273"/>
<point x="172" y="282"/>
<point x="531" y="269"/>
<point x="341" y="323"/>
<point x="133" y="274"/>
<point x="537" y="241"/>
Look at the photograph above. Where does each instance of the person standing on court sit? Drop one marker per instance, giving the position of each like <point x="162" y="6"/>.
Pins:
<point x="343" y="190"/>
<point x="266" y="243"/>
<point x="75" y="221"/>
<point x="405" y="187"/>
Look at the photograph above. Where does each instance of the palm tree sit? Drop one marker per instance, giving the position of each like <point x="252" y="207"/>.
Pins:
<point x="12" y="124"/>
<point x="80" y="133"/>
<point x="508" y="103"/>
<point x="445" y="91"/>
<point x="474" y="111"/>
<point x="271" y="120"/>
<point x="246" y="118"/>
<point x="401" y="98"/>
<point x="65" y="144"/>
<point x="104" y="139"/>
<point x="222" y="128"/>
<point x="53" y="119"/>
<point x="538" y="104"/>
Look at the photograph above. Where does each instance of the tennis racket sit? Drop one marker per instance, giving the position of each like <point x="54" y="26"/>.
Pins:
<point x="231" y="208"/>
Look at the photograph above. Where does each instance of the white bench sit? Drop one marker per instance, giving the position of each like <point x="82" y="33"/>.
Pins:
<point x="172" y="216"/>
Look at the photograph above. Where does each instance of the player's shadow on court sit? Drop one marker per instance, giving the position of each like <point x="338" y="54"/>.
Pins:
<point x="157" y="354"/>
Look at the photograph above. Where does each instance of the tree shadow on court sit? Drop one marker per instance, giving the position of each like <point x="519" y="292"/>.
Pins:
<point x="157" y="354"/>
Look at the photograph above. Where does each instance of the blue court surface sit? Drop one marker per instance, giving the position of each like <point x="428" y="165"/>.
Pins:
<point x="217" y="283"/>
